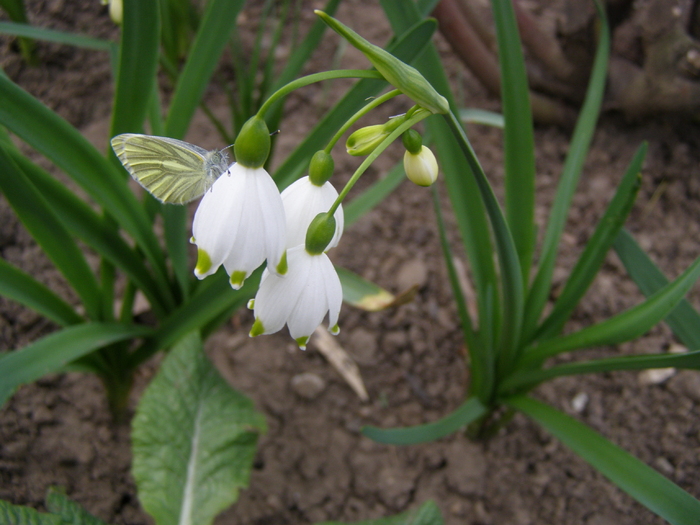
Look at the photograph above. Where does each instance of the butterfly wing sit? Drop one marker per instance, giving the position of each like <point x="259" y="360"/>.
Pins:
<point x="172" y="170"/>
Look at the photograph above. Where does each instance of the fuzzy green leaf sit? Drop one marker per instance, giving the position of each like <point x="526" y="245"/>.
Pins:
<point x="69" y="511"/>
<point x="193" y="439"/>
<point x="19" y="515"/>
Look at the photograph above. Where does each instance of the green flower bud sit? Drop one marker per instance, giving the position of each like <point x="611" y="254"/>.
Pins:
<point x="364" y="141"/>
<point x="400" y="75"/>
<point x="252" y="145"/>
<point x="412" y="141"/>
<point x="321" y="168"/>
<point x="320" y="233"/>
<point x="421" y="168"/>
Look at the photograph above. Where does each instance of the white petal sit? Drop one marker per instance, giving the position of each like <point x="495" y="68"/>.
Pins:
<point x="274" y="217"/>
<point x="302" y="202"/>
<point x="334" y="291"/>
<point x="217" y="218"/>
<point x="261" y="229"/>
<point x="312" y="305"/>
<point x="278" y="296"/>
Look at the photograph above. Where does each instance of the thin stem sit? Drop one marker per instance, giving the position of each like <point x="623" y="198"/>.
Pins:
<point x="412" y="121"/>
<point x="311" y="79"/>
<point x="357" y="116"/>
<point x="508" y="349"/>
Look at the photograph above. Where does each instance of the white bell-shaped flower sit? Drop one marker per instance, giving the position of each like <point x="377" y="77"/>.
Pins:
<point x="301" y="299"/>
<point x="240" y="223"/>
<point x="303" y="200"/>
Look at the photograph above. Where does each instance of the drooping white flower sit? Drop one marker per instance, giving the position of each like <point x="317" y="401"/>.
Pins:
<point x="303" y="200"/>
<point x="240" y="223"/>
<point x="301" y="299"/>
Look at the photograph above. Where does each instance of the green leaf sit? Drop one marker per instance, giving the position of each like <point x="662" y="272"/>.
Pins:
<point x="43" y="224"/>
<point x="593" y="256"/>
<point x="213" y="297"/>
<point x="684" y="320"/>
<point x="426" y="514"/>
<point x="578" y="149"/>
<point x="52" y="136"/>
<point x="59" y="37"/>
<point x="467" y="202"/>
<point x="70" y="512"/>
<point x="469" y="411"/>
<point x="18" y="286"/>
<point x="99" y="233"/>
<point x="19" y="515"/>
<point x="623" y="327"/>
<point x="218" y="21"/>
<point x="138" y="64"/>
<point x="640" y="481"/>
<point x="530" y="378"/>
<point x="518" y="136"/>
<point x="193" y="439"/>
<point x="51" y="353"/>
<point x="481" y="116"/>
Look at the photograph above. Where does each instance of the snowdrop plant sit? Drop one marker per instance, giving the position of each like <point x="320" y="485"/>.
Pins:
<point x="243" y="221"/>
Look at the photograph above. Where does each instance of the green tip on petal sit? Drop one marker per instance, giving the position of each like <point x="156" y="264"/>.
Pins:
<point x="237" y="278"/>
<point x="203" y="262"/>
<point x="251" y="304"/>
<point x="282" y="266"/>
<point x="335" y="330"/>
<point x="192" y="241"/>
<point x="257" y="329"/>
<point x="301" y="341"/>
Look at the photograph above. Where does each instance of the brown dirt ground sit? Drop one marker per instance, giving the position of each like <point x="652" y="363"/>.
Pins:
<point x="313" y="464"/>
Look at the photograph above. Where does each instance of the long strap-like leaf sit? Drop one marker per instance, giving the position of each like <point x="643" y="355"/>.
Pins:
<point x="583" y="133"/>
<point x="623" y="327"/>
<point x="684" y="320"/>
<point x="56" y="350"/>
<point x="48" y="231"/>
<point x="640" y="481"/>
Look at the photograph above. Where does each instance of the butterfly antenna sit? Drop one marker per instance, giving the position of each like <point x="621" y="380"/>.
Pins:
<point x="275" y="133"/>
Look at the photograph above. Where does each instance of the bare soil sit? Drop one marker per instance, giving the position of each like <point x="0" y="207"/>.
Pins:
<point x="313" y="464"/>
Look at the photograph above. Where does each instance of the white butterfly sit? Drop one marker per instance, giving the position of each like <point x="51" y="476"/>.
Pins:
<point x="172" y="170"/>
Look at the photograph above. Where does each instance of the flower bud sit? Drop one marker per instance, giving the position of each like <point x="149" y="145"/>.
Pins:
<point x="364" y="141"/>
<point x="421" y="168"/>
<point x="116" y="11"/>
<point x="400" y="75"/>
<point x="321" y="168"/>
<point x="252" y="145"/>
<point x="320" y="233"/>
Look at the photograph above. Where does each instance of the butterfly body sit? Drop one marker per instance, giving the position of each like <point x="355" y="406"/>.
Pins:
<point x="173" y="171"/>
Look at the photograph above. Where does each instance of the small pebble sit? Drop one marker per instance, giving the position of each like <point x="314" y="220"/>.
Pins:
<point x="656" y="376"/>
<point x="579" y="402"/>
<point x="412" y="273"/>
<point x="308" y="385"/>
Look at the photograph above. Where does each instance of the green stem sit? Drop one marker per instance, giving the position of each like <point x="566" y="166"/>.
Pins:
<point x="412" y="121"/>
<point x="512" y="288"/>
<point x="311" y="79"/>
<point x="357" y="116"/>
